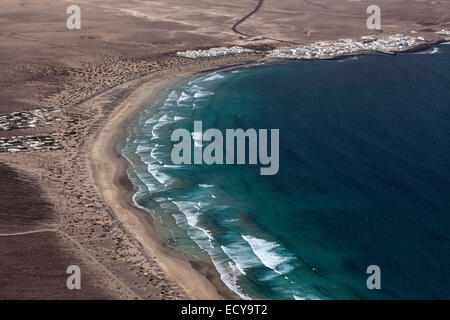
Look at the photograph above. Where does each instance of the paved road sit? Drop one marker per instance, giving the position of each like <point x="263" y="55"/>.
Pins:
<point x="241" y="20"/>
<point x="244" y="18"/>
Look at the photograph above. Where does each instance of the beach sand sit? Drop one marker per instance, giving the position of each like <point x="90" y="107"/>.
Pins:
<point x="198" y="280"/>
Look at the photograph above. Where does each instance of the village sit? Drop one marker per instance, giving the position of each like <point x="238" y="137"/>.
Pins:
<point x="213" y="52"/>
<point x="27" y="119"/>
<point x="325" y="49"/>
<point x="443" y="32"/>
<point x="29" y="143"/>
<point x="342" y="47"/>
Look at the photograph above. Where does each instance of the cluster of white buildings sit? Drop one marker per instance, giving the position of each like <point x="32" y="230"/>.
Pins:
<point x="444" y="32"/>
<point x="213" y="52"/>
<point x="341" y="47"/>
<point x="251" y="38"/>
<point x="27" y="119"/>
<point x="29" y="143"/>
<point x="324" y="49"/>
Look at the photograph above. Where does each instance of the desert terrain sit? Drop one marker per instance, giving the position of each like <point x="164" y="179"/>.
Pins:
<point x="72" y="206"/>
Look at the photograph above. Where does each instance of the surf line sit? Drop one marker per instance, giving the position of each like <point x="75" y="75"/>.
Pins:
<point x="236" y="153"/>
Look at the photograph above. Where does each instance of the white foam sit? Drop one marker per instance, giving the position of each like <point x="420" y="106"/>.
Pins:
<point x="140" y="141"/>
<point x="208" y="234"/>
<point x="165" y="119"/>
<point x="435" y="50"/>
<point x="142" y="149"/>
<point x="155" y="171"/>
<point x="307" y="297"/>
<point x="195" y="88"/>
<point x="177" y="118"/>
<point x="242" y="256"/>
<point x="202" y="94"/>
<point x="156" y="127"/>
<point x="148" y="180"/>
<point x="264" y="250"/>
<point x="197" y="205"/>
<point x="206" y="186"/>
<point x="155" y="135"/>
<point x="173" y="166"/>
<point x="430" y="51"/>
<point x="191" y="211"/>
<point x="167" y="105"/>
<point x="184" y="97"/>
<point x="157" y="155"/>
<point x="229" y="274"/>
<point x="213" y="77"/>
<point x="152" y="120"/>
<point x="172" y="96"/>
<point x="228" y="270"/>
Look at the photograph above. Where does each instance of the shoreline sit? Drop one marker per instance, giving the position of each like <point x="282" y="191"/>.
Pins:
<point x="417" y="48"/>
<point x="96" y="208"/>
<point x="198" y="280"/>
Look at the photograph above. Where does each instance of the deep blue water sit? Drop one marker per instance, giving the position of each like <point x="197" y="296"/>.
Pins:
<point x="364" y="177"/>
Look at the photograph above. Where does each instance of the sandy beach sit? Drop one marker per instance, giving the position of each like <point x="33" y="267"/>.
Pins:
<point x="198" y="280"/>
<point x="73" y="206"/>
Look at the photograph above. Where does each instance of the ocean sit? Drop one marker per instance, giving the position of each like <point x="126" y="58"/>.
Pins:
<point x="364" y="177"/>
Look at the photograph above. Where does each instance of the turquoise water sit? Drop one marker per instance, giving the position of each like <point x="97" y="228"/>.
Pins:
<point x="364" y="177"/>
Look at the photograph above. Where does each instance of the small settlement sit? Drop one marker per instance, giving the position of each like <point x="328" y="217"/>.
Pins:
<point x="250" y="38"/>
<point x="213" y="52"/>
<point x="444" y="32"/>
<point x="342" y="47"/>
<point x="26" y="120"/>
<point x="324" y="49"/>
<point x="16" y="144"/>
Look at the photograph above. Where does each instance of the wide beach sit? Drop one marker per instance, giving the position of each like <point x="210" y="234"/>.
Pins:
<point x="198" y="280"/>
